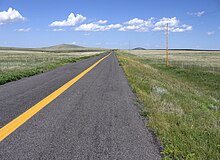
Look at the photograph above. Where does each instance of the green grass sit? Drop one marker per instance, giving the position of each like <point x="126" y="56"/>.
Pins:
<point x="16" y="66"/>
<point x="182" y="106"/>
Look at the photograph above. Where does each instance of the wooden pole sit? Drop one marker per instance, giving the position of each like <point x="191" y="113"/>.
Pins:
<point x="167" y="34"/>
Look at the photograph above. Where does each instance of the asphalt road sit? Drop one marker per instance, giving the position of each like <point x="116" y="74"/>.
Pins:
<point x="96" y="118"/>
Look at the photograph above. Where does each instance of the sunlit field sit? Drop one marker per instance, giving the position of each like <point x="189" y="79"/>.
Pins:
<point x="182" y="58"/>
<point x="16" y="64"/>
<point x="181" y="101"/>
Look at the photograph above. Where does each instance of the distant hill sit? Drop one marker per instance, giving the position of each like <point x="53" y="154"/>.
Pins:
<point x="139" y="48"/>
<point x="63" y="47"/>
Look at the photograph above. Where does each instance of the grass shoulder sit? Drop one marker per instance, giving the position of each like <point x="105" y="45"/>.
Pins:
<point x="182" y="106"/>
<point x="19" y="73"/>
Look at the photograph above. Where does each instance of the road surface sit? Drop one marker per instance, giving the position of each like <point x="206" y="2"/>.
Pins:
<point x="95" y="119"/>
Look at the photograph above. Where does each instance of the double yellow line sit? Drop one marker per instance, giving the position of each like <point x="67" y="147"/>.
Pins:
<point x="17" y="122"/>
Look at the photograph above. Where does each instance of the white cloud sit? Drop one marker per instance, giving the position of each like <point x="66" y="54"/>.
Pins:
<point x="135" y="21"/>
<point x="102" y="22"/>
<point x="182" y="29"/>
<point x="173" y="24"/>
<point x="58" y="30"/>
<point x="113" y="26"/>
<point x="198" y="14"/>
<point x="210" y="33"/>
<point x="149" y="22"/>
<point x="11" y="15"/>
<point x="72" y="20"/>
<point x="93" y="27"/>
<point x="74" y="43"/>
<point x="138" y="25"/>
<point x="178" y="30"/>
<point x="142" y="29"/>
<point x="23" y="29"/>
<point x="127" y="28"/>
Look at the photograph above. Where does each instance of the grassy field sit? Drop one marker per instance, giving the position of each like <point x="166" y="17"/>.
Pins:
<point x="18" y="63"/>
<point x="182" y="104"/>
<point x="182" y="58"/>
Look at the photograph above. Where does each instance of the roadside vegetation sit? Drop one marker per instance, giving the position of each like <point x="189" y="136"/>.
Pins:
<point x="17" y="64"/>
<point x="182" y="104"/>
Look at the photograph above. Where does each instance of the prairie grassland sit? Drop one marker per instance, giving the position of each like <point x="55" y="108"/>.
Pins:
<point x="14" y="59"/>
<point x="16" y="64"/>
<point x="182" y="58"/>
<point x="182" y="105"/>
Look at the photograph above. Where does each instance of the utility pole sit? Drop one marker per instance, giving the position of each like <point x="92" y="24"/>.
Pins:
<point x="167" y="36"/>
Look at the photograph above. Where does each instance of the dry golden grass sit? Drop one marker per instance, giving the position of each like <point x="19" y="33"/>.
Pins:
<point x="19" y="63"/>
<point x="21" y="59"/>
<point x="182" y="57"/>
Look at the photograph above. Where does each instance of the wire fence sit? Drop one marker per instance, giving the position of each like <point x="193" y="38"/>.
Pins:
<point x="207" y="60"/>
<point x="186" y="64"/>
<point x="194" y="65"/>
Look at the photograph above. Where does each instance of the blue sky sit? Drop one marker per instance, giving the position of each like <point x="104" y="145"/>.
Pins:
<point x="110" y="23"/>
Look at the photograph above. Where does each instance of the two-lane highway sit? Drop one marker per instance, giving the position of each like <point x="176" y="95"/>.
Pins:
<point x="93" y="118"/>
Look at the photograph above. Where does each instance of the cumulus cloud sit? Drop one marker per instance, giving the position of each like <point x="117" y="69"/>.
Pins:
<point x="58" y="30"/>
<point x="72" y="20"/>
<point x="23" y="29"/>
<point x="170" y="21"/>
<point x="173" y="23"/>
<point x="113" y="26"/>
<point x="135" y="24"/>
<point x="135" y="21"/>
<point x="138" y="25"/>
<point x="210" y="33"/>
<point x="11" y="15"/>
<point x="197" y="14"/>
<point x="94" y="27"/>
<point x="127" y="28"/>
<point x="102" y="22"/>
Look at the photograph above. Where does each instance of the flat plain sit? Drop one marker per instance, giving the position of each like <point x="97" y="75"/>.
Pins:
<point x="183" y="58"/>
<point x="18" y="59"/>
<point x="181" y="101"/>
<point x="16" y="63"/>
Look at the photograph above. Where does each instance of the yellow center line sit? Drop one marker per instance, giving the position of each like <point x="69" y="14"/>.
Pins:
<point x="17" y="122"/>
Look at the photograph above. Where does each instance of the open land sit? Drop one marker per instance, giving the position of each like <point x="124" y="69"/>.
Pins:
<point x="181" y="101"/>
